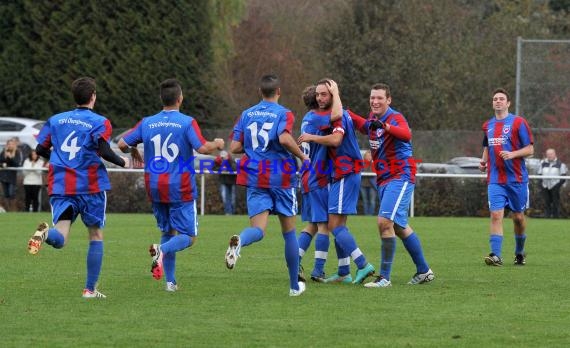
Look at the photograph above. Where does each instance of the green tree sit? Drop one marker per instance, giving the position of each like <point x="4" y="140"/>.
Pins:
<point x="128" y="46"/>
<point x="441" y="57"/>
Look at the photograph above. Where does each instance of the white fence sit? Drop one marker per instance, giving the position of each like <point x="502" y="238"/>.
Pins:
<point x="201" y="179"/>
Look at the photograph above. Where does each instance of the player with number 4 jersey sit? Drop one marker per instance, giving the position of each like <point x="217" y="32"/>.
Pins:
<point x="74" y="142"/>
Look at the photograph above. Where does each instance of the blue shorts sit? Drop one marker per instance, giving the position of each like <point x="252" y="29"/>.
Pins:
<point x="343" y="195"/>
<point x="91" y="206"/>
<point x="315" y="205"/>
<point x="180" y="216"/>
<point x="513" y="196"/>
<point x="276" y="200"/>
<point x="395" y="198"/>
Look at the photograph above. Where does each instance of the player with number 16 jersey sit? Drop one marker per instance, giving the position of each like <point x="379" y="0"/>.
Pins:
<point x="170" y="138"/>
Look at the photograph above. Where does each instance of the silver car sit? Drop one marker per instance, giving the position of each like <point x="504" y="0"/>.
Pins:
<point x="25" y="129"/>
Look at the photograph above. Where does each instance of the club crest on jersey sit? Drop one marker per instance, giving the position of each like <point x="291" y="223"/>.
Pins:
<point x="506" y="129"/>
<point x="379" y="132"/>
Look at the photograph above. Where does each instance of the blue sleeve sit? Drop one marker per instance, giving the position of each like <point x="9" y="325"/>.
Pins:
<point x="134" y="136"/>
<point x="525" y="134"/>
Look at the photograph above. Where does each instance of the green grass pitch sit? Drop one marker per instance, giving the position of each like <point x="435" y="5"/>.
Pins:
<point x="468" y="305"/>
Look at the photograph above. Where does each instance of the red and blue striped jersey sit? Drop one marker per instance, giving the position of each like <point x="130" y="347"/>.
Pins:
<point x="509" y="134"/>
<point x="266" y="163"/>
<point x="344" y="156"/>
<point x="391" y="151"/>
<point x="75" y="166"/>
<point x="317" y="175"/>
<point x="169" y="139"/>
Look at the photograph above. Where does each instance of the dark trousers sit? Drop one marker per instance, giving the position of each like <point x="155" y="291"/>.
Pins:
<point x="369" y="198"/>
<point x="228" y="193"/>
<point x="32" y="197"/>
<point x="552" y="201"/>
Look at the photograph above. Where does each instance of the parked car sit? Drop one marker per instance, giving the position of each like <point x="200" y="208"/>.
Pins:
<point x="25" y="129"/>
<point x="464" y="165"/>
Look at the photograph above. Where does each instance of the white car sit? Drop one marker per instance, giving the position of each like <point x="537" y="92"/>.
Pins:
<point x="25" y="129"/>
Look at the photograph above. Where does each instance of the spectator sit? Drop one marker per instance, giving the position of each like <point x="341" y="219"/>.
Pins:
<point x="552" y="166"/>
<point x="368" y="188"/>
<point x="10" y="157"/>
<point x="33" y="180"/>
<point x="226" y="163"/>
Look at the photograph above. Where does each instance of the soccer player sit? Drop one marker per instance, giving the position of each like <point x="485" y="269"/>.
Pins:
<point x="507" y="141"/>
<point x="169" y="139"/>
<point x="390" y="144"/>
<point x="268" y="170"/>
<point x="74" y="141"/>
<point x="343" y="152"/>
<point x="314" y="184"/>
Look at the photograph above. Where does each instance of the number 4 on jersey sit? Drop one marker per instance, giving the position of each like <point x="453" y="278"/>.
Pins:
<point x="70" y="145"/>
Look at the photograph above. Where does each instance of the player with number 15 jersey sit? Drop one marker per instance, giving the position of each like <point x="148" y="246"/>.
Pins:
<point x="266" y="163"/>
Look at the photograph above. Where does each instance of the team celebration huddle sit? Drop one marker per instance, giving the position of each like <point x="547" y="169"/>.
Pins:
<point x="324" y="161"/>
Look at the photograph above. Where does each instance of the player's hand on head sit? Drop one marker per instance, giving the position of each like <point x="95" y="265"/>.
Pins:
<point x="333" y="87"/>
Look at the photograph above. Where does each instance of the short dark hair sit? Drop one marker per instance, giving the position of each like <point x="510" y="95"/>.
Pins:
<point x="83" y="88"/>
<point x="170" y="91"/>
<point x="502" y="90"/>
<point x="268" y="85"/>
<point x="310" y="97"/>
<point x="383" y="86"/>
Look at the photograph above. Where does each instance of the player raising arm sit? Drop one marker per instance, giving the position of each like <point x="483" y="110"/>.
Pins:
<point x="169" y="139"/>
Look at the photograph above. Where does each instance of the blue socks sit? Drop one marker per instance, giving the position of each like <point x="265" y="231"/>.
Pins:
<point x="176" y="243"/>
<point x="414" y="248"/>
<point x="168" y="260"/>
<point x="343" y="260"/>
<point x="519" y="243"/>
<point x="387" y="256"/>
<point x="55" y="238"/>
<point x="304" y="241"/>
<point x="94" y="261"/>
<point x="348" y="244"/>
<point x="251" y="235"/>
<point x="292" y="258"/>
<point x="496" y="243"/>
<point x="170" y="245"/>
<point x="322" y="243"/>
